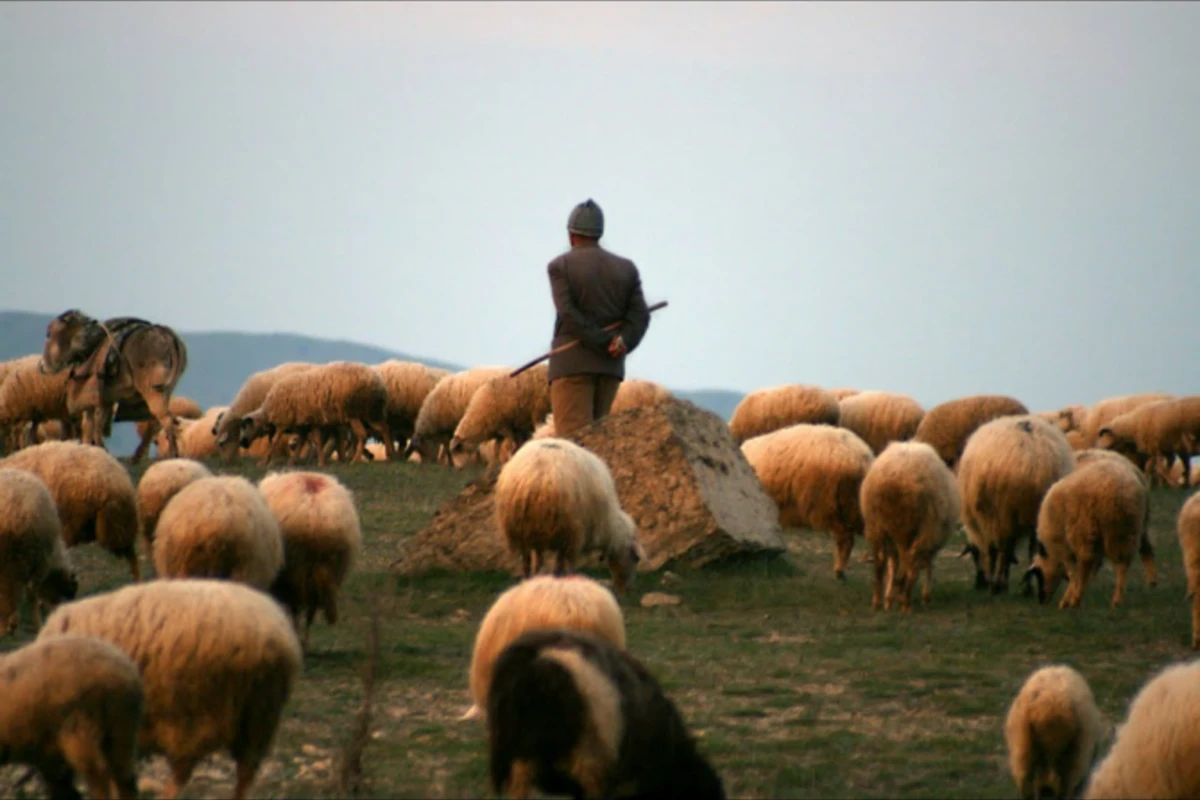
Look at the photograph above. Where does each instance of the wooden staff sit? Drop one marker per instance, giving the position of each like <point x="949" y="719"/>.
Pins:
<point x="562" y="348"/>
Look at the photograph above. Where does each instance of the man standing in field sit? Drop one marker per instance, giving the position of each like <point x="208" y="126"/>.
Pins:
<point x="592" y="288"/>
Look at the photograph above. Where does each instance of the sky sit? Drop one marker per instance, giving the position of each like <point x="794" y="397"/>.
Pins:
<point x="938" y="199"/>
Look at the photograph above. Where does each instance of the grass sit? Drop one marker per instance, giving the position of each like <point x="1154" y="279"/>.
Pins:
<point x="793" y="685"/>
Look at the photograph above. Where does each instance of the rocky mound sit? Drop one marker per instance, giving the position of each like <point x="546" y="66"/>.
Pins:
<point x="679" y="474"/>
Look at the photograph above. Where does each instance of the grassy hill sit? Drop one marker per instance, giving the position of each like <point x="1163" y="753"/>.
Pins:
<point x="219" y="361"/>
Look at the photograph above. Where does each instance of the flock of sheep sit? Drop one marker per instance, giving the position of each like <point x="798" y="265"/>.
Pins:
<point x="567" y="707"/>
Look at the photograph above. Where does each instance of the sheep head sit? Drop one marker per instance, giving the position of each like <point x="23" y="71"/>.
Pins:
<point x="1108" y="439"/>
<point x="67" y="341"/>
<point x="253" y="425"/>
<point x="625" y="553"/>
<point x="60" y="585"/>
<point x="427" y="448"/>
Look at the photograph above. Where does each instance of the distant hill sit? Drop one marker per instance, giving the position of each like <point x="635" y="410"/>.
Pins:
<point x="219" y="361"/>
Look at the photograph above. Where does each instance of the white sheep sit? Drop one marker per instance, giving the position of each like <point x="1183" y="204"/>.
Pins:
<point x="910" y="508"/>
<point x="1188" y="528"/>
<point x="1098" y="511"/>
<point x="219" y="527"/>
<point x="766" y="410"/>
<point x="1053" y="731"/>
<point x="33" y="558"/>
<point x="814" y="474"/>
<point x="1162" y="429"/>
<point x="553" y="496"/>
<point x="322" y="400"/>
<point x="880" y="417"/>
<point x="162" y="481"/>
<point x="218" y="661"/>
<point x="569" y="710"/>
<point x="408" y="384"/>
<point x="72" y="704"/>
<point x="543" y="601"/>
<point x="444" y="406"/>
<point x="947" y="426"/>
<point x="250" y="396"/>
<point x="504" y="408"/>
<point x="1154" y="753"/>
<point x="92" y="492"/>
<point x="1006" y="469"/>
<point x="322" y="537"/>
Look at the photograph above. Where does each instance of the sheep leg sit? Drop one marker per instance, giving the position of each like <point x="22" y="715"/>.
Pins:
<point x="181" y="772"/>
<point x="246" y="770"/>
<point x="272" y="443"/>
<point x="1146" y="552"/>
<point x="1086" y="568"/>
<point x="359" y="436"/>
<point x="389" y="442"/>
<point x="1119" y="591"/>
<point x="843" y="543"/>
<point x="880" y="569"/>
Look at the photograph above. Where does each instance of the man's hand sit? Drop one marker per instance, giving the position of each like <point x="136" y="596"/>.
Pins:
<point x="616" y="347"/>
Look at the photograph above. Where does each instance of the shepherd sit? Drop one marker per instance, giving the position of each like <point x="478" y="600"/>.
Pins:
<point x="598" y="299"/>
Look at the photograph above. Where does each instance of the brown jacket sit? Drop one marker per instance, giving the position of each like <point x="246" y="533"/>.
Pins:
<point x="593" y="288"/>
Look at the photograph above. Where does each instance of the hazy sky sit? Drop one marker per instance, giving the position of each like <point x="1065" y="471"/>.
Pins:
<point x="939" y="199"/>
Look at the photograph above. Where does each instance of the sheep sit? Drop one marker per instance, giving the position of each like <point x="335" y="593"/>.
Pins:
<point x="249" y="397"/>
<point x="767" y="410"/>
<point x="1099" y="510"/>
<point x="553" y="496"/>
<point x="635" y="393"/>
<point x="195" y="438"/>
<point x="947" y="426"/>
<point x="162" y="481"/>
<point x="33" y="558"/>
<point x="1071" y="418"/>
<point x="444" y="406"/>
<point x="910" y="507"/>
<point x="219" y="527"/>
<point x="1075" y="440"/>
<point x="322" y="538"/>
<point x="148" y="429"/>
<point x="322" y="399"/>
<point x="1158" y="429"/>
<point x="569" y="713"/>
<point x="880" y="417"/>
<point x="28" y="397"/>
<point x="1053" y="731"/>
<point x="543" y="601"/>
<point x="72" y="704"/>
<point x="1006" y="468"/>
<point x="1102" y="412"/>
<point x="814" y="474"/>
<point x="1154" y="753"/>
<point x="92" y="492"/>
<point x="1188" y="528"/>
<point x="218" y="661"/>
<point x="408" y="384"/>
<point x="504" y="408"/>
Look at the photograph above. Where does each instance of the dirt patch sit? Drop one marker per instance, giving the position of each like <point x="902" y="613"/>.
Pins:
<point x="678" y="473"/>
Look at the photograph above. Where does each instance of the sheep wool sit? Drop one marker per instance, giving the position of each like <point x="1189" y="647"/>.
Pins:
<point x="249" y="397"/>
<point x="408" y="384"/>
<point x="322" y="539"/>
<point x="910" y="508"/>
<point x="574" y="602"/>
<point x="946" y="427"/>
<point x="33" y="559"/>
<point x="880" y="417"/>
<point x="218" y="662"/>
<point x="571" y="713"/>
<point x="1154" y="754"/>
<point x="767" y="410"/>
<point x="162" y="481"/>
<point x="443" y="408"/>
<point x="195" y="438"/>
<point x="1006" y="469"/>
<point x="92" y="492"/>
<point x="72" y="705"/>
<point x="1099" y="510"/>
<point x="1188" y="527"/>
<point x="554" y="496"/>
<point x="504" y="408"/>
<point x="219" y="527"/>
<point x="636" y="393"/>
<point x="814" y="474"/>
<point x="1053" y="731"/>
<point x="1103" y="411"/>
